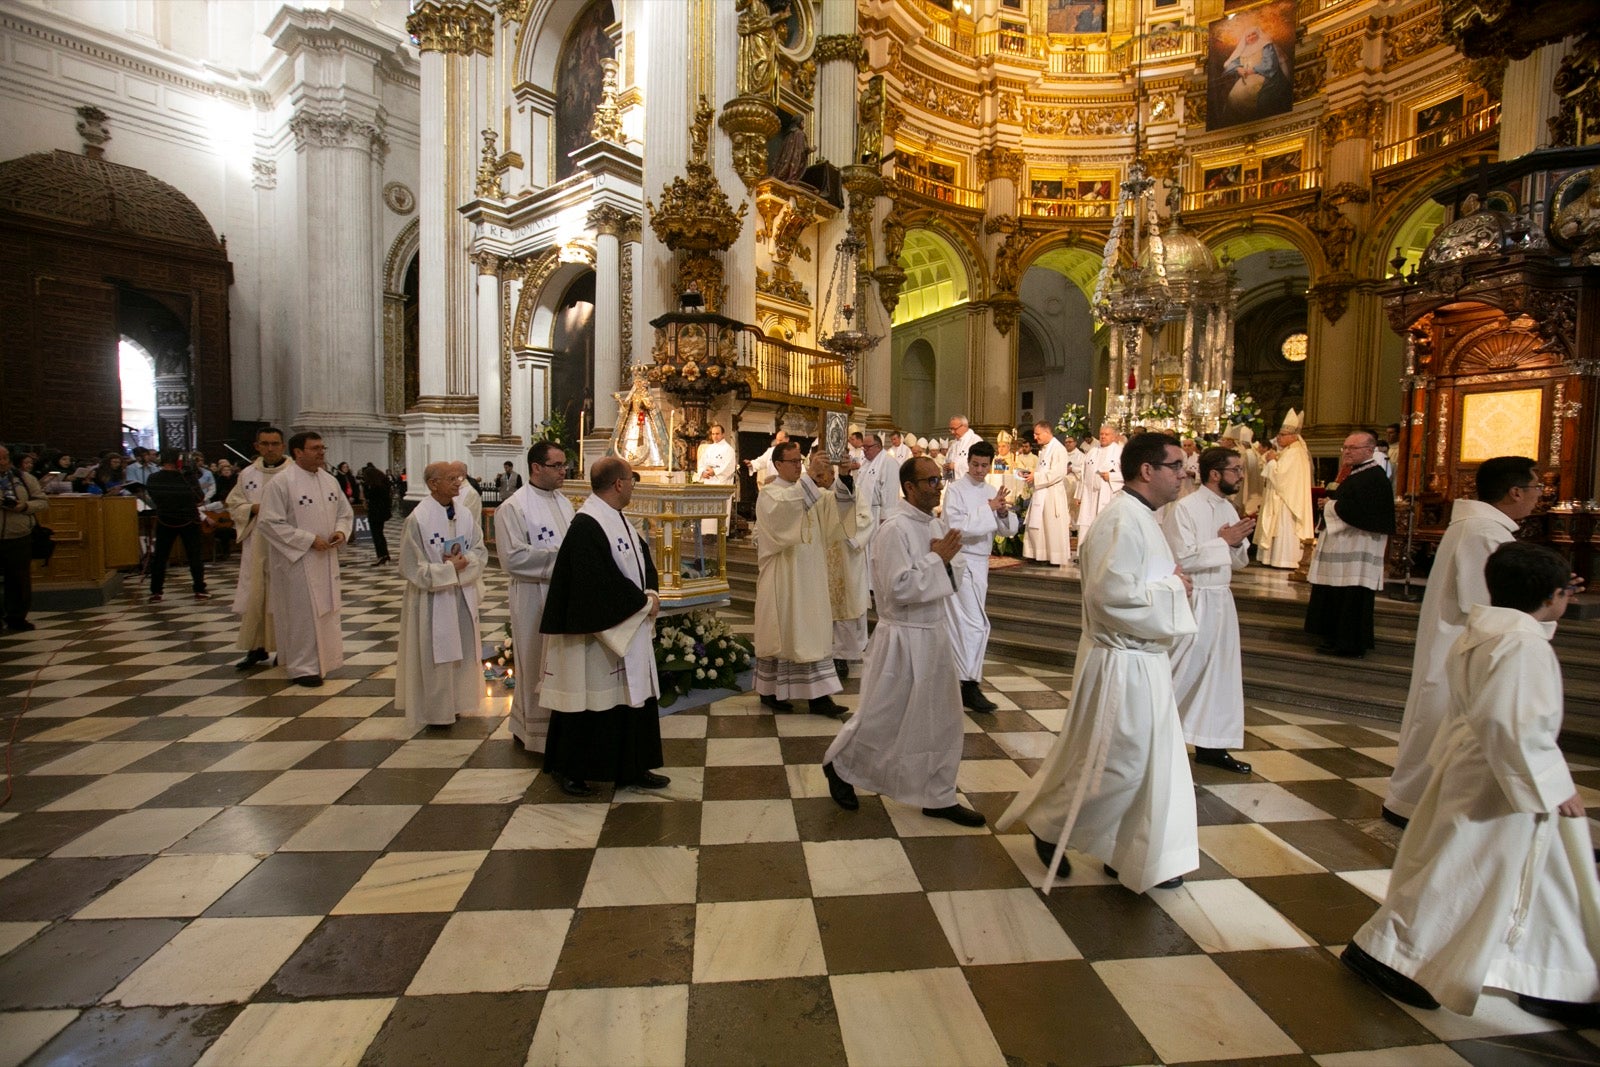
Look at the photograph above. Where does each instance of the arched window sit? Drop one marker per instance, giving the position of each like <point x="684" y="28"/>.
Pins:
<point x="137" y="371"/>
<point x="578" y="79"/>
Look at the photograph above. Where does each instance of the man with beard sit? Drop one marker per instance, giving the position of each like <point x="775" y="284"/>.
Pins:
<point x="250" y="600"/>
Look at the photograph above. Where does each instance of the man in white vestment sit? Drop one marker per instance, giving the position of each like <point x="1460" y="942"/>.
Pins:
<point x="466" y="495"/>
<point x="878" y="480"/>
<point x="848" y="527"/>
<point x="1102" y="479"/>
<point x="1248" y="500"/>
<point x="251" y="598"/>
<point x="762" y="468"/>
<point x="898" y="451"/>
<point x="980" y="513"/>
<point x="1508" y="489"/>
<point x="600" y="677"/>
<point x="1116" y="784"/>
<point x="1210" y="542"/>
<point x="528" y="530"/>
<point x="1286" y="518"/>
<point x="716" y="463"/>
<point x="1076" y="458"/>
<point x="905" y="741"/>
<point x="305" y="518"/>
<point x="794" y="631"/>
<point x="962" y="438"/>
<point x="1494" y="885"/>
<point x="857" y="449"/>
<point x="1191" y="468"/>
<point x="439" y="673"/>
<point x="1049" y="534"/>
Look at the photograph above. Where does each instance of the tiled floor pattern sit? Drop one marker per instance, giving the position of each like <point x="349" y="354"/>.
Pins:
<point x="199" y="866"/>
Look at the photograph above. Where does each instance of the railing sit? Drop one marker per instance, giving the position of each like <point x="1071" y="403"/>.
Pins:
<point x="1442" y="136"/>
<point x="1016" y="42"/>
<point x="1092" y="57"/>
<point x="934" y="189"/>
<point x="1263" y="189"/>
<point x="789" y="372"/>
<point x="1067" y="207"/>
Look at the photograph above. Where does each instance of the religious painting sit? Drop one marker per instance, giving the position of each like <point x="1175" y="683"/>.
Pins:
<point x="1505" y="423"/>
<point x="1222" y="184"/>
<point x="1250" y="65"/>
<point x="1075" y="16"/>
<point x="1281" y="173"/>
<point x="1166" y="3"/>
<point x="1094" y="189"/>
<point x="578" y="80"/>
<point x="1439" y="124"/>
<point x="1045" y="189"/>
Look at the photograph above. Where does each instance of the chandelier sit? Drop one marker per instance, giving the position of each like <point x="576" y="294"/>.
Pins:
<point x="846" y="331"/>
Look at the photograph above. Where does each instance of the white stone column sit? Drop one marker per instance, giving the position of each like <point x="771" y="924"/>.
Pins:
<point x="1528" y="102"/>
<point x="488" y="314"/>
<point x="669" y="111"/>
<point x="607" y="222"/>
<point x="837" y="47"/>
<point x="739" y="261"/>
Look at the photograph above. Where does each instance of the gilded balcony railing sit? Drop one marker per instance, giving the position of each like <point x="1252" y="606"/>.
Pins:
<point x="791" y="374"/>
<point x="1067" y="207"/>
<point x="1220" y="195"/>
<point x="934" y="189"/>
<point x="1442" y="136"/>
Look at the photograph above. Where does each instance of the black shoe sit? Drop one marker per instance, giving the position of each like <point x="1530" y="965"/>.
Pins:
<point x="972" y="698"/>
<point x="1386" y="979"/>
<point x="826" y="707"/>
<point x="652" y="780"/>
<point x="573" y="787"/>
<point x="1218" y="757"/>
<point x="842" y="792"/>
<point x="310" y="681"/>
<point x="775" y="704"/>
<point x="841" y="667"/>
<point x="1394" y="819"/>
<point x="1564" y="1011"/>
<point x="1170" y="883"/>
<point x="956" y="814"/>
<point x="1047" y="852"/>
<point x="251" y="658"/>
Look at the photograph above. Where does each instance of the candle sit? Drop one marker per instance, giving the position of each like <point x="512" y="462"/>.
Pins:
<point x="672" y="417"/>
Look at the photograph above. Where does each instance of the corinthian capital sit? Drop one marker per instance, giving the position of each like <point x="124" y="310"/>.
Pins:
<point x="314" y="128"/>
<point x="609" y="219"/>
<point x="462" y="27"/>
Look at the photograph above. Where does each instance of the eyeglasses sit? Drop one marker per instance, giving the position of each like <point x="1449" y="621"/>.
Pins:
<point x="1536" y="487"/>
<point x="1356" y="448"/>
<point x="1175" y="465"/>
<point x="932" y="482"/>
<point x="555" y="466"/>
<point x="635" y="475"/>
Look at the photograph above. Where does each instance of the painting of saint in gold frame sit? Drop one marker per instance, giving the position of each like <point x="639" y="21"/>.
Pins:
<point x="1075" y="16"/>
<point x="1250" y="65"/>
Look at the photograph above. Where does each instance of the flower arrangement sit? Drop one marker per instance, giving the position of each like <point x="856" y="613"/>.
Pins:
<point x="1242" y="410"/>
<point x="1159" y="412"/>
<point x="502" y="661"/>
<point x="698" y="651"/>
<point x="1074" y="421"/>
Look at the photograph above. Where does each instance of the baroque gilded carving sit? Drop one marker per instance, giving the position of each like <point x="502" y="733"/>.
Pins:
<point x="758" y="49"/>
<point x="695" y="217"/>
<point x="1347" y="193"/>
<point x="1405" y="41"/>
<point x="488" y="263"/>
<point x="939" y="99"/>
<point x="627" y="303"/>
<point x="1003" y="311"/>
<point x="607" y="219"/>
<point x="796" y="219"/>
<point x="490" y="168"/>
<point x="872" y="121"/>
<point x="1054" y="120"/>
<point x="1332" y="296"/>
<point x="781" y="284"/>
<point x="514" y="10"/>
<point x="890" y="277"/>
<point x="1577" y="86"/>
<point x="998" y="163"/>
<point x="607" y="115"/>
<point x="1359" y="121"/>
<point x="836" y="46"/>
<point x="1162" y="162"/>
<point x="1344" y="58"/>
<point x="451" y="27"/>
<point x="749" y="122"/>
<point x="1309" y="74"/>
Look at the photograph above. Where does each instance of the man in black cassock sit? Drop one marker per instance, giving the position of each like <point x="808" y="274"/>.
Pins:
<point x="599" y="679"/>
<point x="1347" y="565"/>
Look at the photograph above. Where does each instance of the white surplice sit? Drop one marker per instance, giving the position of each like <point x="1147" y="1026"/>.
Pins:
<point x="252" y="600"/>
<point x="878" y="481"/>
<point x="905" y="739"/>
<point x="966" y="508"/>
<point x="1096" y="493"/>
<point x="297" y="507"/>
<point x="716" y="463"/>
<point x="956" y="457"/>
<point x="1455" y="585"/>
<point x="1207" y="675"/>
<point x="1116" y="784"/>
<point x="1049" y="533"/>
<point x="794" y="617"/>
<point x="438" y="674"/>
<point x="1492" y="888"/>
<point x="1286" y="517"/>
<point x="528" y="530"/>
<point x="1077" y="458"/>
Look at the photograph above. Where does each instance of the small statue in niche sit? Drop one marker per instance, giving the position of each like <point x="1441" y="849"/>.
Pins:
<point x="758" y="47"/>
<point x="794" y="152"/>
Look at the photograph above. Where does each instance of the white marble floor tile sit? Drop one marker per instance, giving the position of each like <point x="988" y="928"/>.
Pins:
<point x="1299" y="718"/>
<point x="76" y="687"/>
<point x="1001" y="926"/>
<point x="1267" y="802"/>
<point x="154" y="654"/>
<point x="1014" y="683"/>
<point x="171" y="886"/>
<point x="807" y="780"/>
<point x="22" y="1033"/>
<point x="193" y="687"/>
<point x="554" y="826"/>
<point x="307" y="787"/>
<point x="266" y="755"/>
<point x="684" y="726"/>
<point x="1374" y="884"/>
<point x="743" y="752"/>
<point x="351" y="828"/>
<point x="382" y="728"/>
<point x="621" y="877"/>
<point x="740" y="822"/>
<point x="807" y="726"/>
<point x="1410" y="1056"/>
<point x="163" y="674"/>
<point x="688" y="783"/>
<point x="1224" y="915"/>
<point x="851" y="868"/>
<point x="228" y="731"/>
<point x="117" y="792"/>
<point x="1290" y="736"/>
<point x="1052" y="719"/>
<point x="910" y="822"/>
<point x="1375" y="786"/>
<point x="990" y="776"/>
<point x="485" y="786"/>
<point x="493" y="952"/>
<point x="1032" y="744"/>
<point x="13" y="934"/>
<point x="744" y="941"/>
<point x="1085" y="870"/>
<point x="425" y="753"/>
<point x="412" y="881"/>
<point x="635" y="1027"/>
<point x="92" y="728"/>
<point x="337" y="707"/>
<point x="104" y="757"/>
<point x="142" y="832"/>
<point x="1248" y="850"/>
<point x="9" y="867"/>
<point x="331" y="1033"/>
<point x="215" y="961"/>
<point x="913" y="1017"/>
<point x="1277" y="766"/>
<point x="1189" y="1009"/>
<point x="72" y="707"/>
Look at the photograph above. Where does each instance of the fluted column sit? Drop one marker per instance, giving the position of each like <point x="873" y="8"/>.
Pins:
<point x="993" y="377"/>
<point x="667" y="116"/>
<point x="739" y="261"/>
<point x="838" y="49"/>
<point x="488" y="331"/>
<point x="607" y="222"/>
<point x="1528" y="100"/>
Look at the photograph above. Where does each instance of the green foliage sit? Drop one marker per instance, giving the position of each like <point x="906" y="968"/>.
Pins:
<point x="698" y="651"/>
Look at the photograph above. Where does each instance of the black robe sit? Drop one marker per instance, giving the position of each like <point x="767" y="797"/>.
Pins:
<point x="589" y="594"/>
<point x="1343" y="615"/>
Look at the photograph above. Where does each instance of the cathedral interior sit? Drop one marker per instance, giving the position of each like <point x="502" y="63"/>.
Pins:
<point x="445" y="229"/>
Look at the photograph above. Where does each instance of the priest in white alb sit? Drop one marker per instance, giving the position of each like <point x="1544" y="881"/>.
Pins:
<point x="252" y="601"/>
<point x="528" y="529"/>
<point x="962" y="438"/>
<point x="1494" y="885"/>
<point x="794" y="616"/>
<point x="1508" y="489"/>
<point x="980" y="513"/>
<point x="716" y="463"/>
<point x="1102" y="479"/>
<point x="905" y="739"/>
<point x="1116" y="784"/>
<point x="439" y="672"/>
<point x="1049" y="534"/>
<point x="878" y="480"/>
<point x="1286" y="518"/>
<point x="1210" y="542"/>
<point x="848" y="527"/>
<point x="305" y="518"/>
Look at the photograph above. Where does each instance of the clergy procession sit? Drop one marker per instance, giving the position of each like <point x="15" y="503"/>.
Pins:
<point x="881" y="565"/>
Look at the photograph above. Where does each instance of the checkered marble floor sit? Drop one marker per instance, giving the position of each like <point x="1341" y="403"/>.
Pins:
<point x="203" y="866"/>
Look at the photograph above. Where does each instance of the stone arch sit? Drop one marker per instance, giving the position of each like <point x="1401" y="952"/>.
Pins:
<point x="1390" y="221"/>
<point x="402" y="250"/>
<point x="919" y="383"/>
<point x="932" y="262"/>
<point x="971" y="256"/>
<point x="1257" y="233"/>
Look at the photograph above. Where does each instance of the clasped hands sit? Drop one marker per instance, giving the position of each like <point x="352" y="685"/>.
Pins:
<point x="947" y="546"/>
<point x="1235" y="533"/>
<point x="322" y="544"/>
